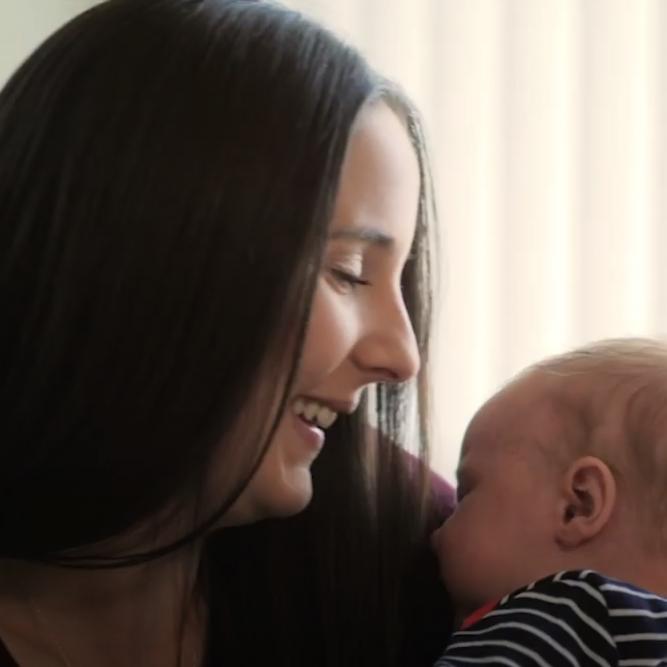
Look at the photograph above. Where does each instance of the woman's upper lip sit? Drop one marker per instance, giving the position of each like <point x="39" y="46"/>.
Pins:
<point x="337" y="405"/>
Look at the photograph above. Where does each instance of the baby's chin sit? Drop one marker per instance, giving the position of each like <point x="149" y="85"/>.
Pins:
<point x="465" y="604"/>
<point x="464" y="610"/>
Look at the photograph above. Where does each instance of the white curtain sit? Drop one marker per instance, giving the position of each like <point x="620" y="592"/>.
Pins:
<point x="550" y="157"/>
<point x="25" y="23"/>
<point x="546" y="124"/>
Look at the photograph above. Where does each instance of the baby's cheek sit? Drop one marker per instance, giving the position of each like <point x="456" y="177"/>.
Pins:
<point x="438" y="546"/>
<point x="444" y="542"/>
<point x="460" y="548"/>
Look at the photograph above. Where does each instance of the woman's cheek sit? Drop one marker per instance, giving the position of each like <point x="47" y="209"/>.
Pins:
<point x="331" y="331"/>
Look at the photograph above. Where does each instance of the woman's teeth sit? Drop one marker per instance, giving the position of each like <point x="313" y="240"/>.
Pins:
<point x="314" y="412"/>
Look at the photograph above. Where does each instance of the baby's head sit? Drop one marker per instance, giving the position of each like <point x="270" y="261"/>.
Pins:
<point x="564" y="468"/>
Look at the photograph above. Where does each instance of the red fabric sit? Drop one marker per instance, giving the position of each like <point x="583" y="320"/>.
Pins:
<point x="478" y="614"/>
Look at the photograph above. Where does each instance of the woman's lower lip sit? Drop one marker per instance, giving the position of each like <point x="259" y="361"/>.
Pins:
<point x="313" y="435"/>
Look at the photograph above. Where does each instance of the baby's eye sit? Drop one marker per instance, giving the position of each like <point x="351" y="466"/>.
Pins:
<point x="461" y="492"/>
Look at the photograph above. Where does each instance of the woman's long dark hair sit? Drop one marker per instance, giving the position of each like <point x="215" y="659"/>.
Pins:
<point x="167" y="174"/>
<point x="351" y="580"/>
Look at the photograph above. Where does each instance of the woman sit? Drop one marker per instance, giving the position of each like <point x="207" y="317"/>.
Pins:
<point x="213" y="240"/>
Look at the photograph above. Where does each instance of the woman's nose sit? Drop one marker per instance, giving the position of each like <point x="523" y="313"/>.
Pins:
<point x="388" y="351"/>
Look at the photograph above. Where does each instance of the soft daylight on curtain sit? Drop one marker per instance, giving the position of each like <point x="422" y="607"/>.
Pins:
<point x="546" y="121"/>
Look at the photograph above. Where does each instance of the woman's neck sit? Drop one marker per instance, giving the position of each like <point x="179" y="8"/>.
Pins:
<point x="151" y="614"/>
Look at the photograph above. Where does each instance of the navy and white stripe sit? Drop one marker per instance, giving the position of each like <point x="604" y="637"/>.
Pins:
<point x="577" y="619"/>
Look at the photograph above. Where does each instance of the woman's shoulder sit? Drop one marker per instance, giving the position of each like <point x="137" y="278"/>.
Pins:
<point x="443" y="494"/>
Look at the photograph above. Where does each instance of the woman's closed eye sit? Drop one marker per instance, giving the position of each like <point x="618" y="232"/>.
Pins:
<point x="348" y="278"/>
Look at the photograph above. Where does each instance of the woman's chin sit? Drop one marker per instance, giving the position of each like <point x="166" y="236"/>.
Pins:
<point x="289" y="497"/>
<point x="282" y="498"/>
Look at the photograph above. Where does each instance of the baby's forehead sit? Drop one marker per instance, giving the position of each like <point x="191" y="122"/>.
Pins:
<point x="584" y="409"/>
<point x="571" y="408"/>
<point x="531" y="409"/>
<point x="531" y="398"/>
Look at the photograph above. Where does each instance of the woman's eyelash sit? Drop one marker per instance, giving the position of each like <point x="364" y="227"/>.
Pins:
<point x="349" y="278"/>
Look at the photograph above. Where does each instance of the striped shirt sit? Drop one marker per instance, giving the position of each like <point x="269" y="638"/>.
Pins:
<point x="576" y="618"/>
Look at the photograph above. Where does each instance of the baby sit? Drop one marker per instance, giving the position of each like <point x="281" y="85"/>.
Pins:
<point x="562" y="482"/>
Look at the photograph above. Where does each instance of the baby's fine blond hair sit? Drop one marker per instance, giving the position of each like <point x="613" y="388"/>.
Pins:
<point x="616" y="390"/>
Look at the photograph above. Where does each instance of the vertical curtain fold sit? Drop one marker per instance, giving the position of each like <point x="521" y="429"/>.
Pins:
<point x="550" y="160"/>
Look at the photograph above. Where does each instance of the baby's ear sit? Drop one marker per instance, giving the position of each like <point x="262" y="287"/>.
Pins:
<point x="587" y="501"/>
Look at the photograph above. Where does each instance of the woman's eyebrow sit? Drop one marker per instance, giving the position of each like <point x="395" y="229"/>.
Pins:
<point x="364" y="234"/>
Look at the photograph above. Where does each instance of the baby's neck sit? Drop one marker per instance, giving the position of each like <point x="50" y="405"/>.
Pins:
<point x="649" y="573"/>
<point x="627" y="560"/>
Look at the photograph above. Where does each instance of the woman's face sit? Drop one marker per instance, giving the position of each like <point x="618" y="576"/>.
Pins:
<point x="359" y="331"/>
